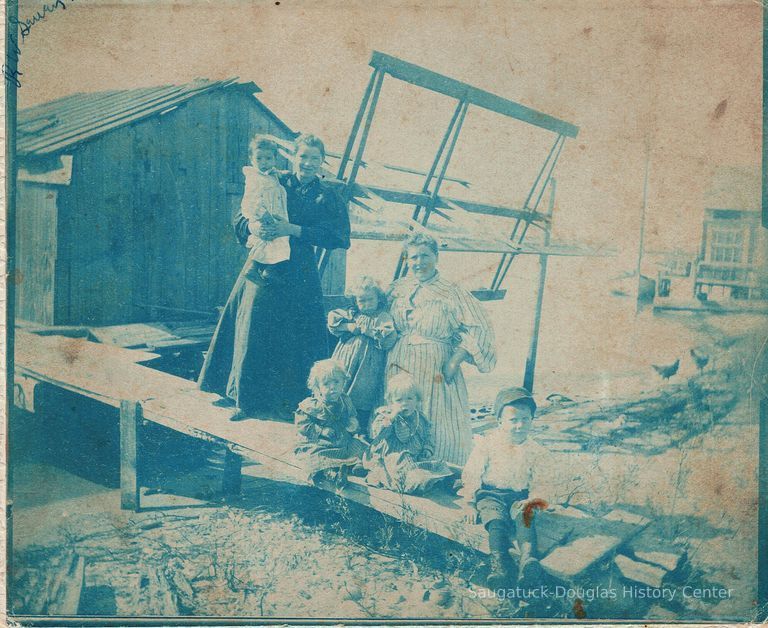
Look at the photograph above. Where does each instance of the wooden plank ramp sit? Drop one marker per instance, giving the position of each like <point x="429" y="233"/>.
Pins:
<point x="111" y="375"/>
<point x="572" y="539"/>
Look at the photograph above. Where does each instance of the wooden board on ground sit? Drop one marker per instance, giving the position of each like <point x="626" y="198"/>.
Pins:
<point x="165" y="335"/>
<point x="567" y="561"/>
<point x="588" y="540"/>
<point x="638" y="571"/>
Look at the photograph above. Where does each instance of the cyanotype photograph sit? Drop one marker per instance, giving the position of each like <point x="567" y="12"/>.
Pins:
<point x="335" y="312"/>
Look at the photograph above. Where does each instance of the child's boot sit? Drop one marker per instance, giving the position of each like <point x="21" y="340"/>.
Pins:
<point x="529" y="571"/>
<point x="498" y="578"/>
<point x="498" y="541"/>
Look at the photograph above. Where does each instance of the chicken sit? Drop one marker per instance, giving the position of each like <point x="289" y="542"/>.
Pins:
<point x="558" y="399"/>
<point x="700" y="359"/>
<point x="667" y="370"/>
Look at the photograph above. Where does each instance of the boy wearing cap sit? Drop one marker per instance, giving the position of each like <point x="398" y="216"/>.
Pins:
<point x="497" y="479"/>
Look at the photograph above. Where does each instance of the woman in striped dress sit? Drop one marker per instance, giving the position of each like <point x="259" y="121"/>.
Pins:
<point x="440" y="326"/>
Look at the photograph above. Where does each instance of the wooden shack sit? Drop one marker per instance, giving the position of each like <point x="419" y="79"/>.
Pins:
<point x="125" y="199"/>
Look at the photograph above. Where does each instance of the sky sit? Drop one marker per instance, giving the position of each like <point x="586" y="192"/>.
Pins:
<point x="686" y="76"/>
<point x="680" y="79"/>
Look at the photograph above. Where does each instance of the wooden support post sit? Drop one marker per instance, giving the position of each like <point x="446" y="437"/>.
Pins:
<point x="458" y="114"/>
<point x="448" y="154"/>
<point x="231" y="480"/>
<point x="505" y="263"/>
<point x="499" y="279"/>
<point x="639" y="270"/>
<point x="530" y="362"/>
<point x="366" y="129"/>
<point x="356" y="126"/>
<point x="9" y="524"/>
<point x="130" y="419"/>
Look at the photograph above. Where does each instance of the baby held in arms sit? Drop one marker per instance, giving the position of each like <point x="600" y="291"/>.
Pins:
<point x="264" y="200"/>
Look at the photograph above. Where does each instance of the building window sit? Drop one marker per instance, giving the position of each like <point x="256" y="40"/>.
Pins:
<point x="726" y="245"/>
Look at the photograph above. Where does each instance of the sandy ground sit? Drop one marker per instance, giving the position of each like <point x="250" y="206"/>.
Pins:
<point x="283" y="551"/>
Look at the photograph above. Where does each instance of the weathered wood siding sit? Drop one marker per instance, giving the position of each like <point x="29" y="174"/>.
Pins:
<point x="36" y="237"/>
<point x="146" y="220"/>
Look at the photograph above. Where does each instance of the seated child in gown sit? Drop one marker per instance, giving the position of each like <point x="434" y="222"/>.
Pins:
<point x="263" y="199"/>
<point x="400" y="454"/>
<point x="366" y="332"/>
<point x="326" y="424"/>
<point x="497" y="482"/>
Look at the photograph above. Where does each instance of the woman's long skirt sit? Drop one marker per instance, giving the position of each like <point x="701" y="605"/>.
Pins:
<point x="270" y="333"/>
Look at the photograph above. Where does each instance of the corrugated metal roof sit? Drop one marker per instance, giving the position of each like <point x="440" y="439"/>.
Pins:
<point x="55" y="125"/>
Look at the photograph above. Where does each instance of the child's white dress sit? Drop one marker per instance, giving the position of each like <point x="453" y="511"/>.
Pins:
<point x="264" y="195"/>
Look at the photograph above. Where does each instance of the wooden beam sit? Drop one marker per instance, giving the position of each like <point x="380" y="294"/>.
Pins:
<point x="355" y="128"/>
<point x="367" y="126"/>
<point x="68" y="588"/>
<point x="394" y="167"/>
<point x="421" y="77"/>
<point x="231" y="480"/>
<point x="493" y="210"/>
<point x="453" y="243"/>
<point x="130" y="419"/>
<point x="177" y="403"/>
<point x="431" y="207"/>
<point x="406" y="197"/>
<point x="440" y="513"/>
<point x="530" y="362"/>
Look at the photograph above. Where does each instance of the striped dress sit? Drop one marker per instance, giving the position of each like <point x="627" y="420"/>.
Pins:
<point x="363" y="355"/>
<point x="433" y="319"/>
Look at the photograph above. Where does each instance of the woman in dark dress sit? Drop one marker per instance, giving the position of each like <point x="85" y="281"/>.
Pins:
<point x="273" y="326"/>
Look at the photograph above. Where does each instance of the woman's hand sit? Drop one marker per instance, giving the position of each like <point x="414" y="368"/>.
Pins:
<point x="453" y="364"/>
<point x="328" y="432"/>
<point x="265" y="230"/>
<point x="254" y="227"/>
<point x="277" y="228"/>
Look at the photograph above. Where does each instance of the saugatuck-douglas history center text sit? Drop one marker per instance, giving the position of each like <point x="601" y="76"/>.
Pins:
<point x="599" y="592"/>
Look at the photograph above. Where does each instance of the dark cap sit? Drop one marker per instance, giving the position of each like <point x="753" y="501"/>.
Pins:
<point x="508" y="396"/>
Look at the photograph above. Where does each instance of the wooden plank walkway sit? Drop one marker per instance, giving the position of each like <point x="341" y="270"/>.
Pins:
<point x="114" y="376"/>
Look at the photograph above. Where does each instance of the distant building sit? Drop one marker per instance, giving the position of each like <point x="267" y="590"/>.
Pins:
<point x="125" y="200"/>
<point x="733" y="256"/>
<point x="729" y="270"/>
